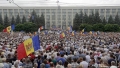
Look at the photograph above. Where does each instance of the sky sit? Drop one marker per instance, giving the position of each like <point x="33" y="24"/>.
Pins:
<point x="61" y="3"/>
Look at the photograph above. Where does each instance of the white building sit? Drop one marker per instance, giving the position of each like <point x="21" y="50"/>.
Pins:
<point x="61" y="17"/>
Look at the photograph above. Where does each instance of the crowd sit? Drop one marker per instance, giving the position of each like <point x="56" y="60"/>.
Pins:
<point x="78" y="51"/>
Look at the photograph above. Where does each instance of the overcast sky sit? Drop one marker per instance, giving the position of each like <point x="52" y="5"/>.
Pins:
<point x="61" y="2"/>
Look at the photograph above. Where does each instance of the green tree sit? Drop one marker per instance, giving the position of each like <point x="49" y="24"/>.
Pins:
<point x="19" y="27"/>
<point x="87" y="27"/>
<point x="12" y="20"/>
<point x="110" y="20"/>
<point x="81" y="17"/>
<point x="97" y="18"/>
<point x="98" y="27"/>
<point x="42" y="20"/>
<point x="33" y="17"/>
<point x="23" y="19"/>
<point x="85" y="18"/>
<point x="1" y="20"/>
<point x="1" y="27"/>
<point x="29" y="27"/>
<point x="76" y="22"/>
<point x="6" y="21"/>
<point x="18" y="20"/>
<point x="91" y="18"/>
<point x="104" y="21"/>
<point x="117" y="21"/>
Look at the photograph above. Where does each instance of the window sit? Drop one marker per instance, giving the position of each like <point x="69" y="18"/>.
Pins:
<point x="102" y="10"/>
<point x="107" y="10"/>
<point x="48" y="17"/>
<point x="63" y="22"/>
<point x="63" y="17"/>
<point x="96" y="10"/>
<point x="53" y="17"/>
<point x="59" y="17"/>
<point x="48" y="11"/>
<point x="85" y="11"/>
<point x="113" y="11"/>
<point x="43" y="11"/>
<point x="91" y="10"/>
<point x="53" y="11"/>
<point x="59" y="11"/>
<point x="10" y="12"/>
<point x="5" y="11"/>
<point x="79" y="10"/>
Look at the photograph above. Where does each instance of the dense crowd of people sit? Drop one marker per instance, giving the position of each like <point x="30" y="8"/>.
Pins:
<point x="79" y="51"/>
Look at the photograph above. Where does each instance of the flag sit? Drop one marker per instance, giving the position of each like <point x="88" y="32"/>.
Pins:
<point x="62" y="35"/>
<point x="28" y="46"/>
<point x="70" y="29"/>
<point x="7" y="29"/>
<point x="41" y="27"/>
<point x="90" y="32"/>
<point x="83" y="30"/>
<point x="12" y="26"/>
<point x="73" y="33"/>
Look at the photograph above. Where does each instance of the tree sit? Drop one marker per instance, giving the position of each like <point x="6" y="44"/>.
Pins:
<point x="81" y="17"/>
<point x="91" y="18"/>
<point x="42" y="20"/>
<point x="85" y="18"/>
<point x="6" y="21"/>
<point x="117" y="21"/>
<point x="18" y="19"/>
<point x="1" y="27"/>
<point x="104" y="21"/>
<point x="33" y="17"/>
<point x="97" y="18"/>
<point x="76" y="22"/>
<point x="13" y="20"/>
<point x="1" y="20"/>
<point x="98" y="27"/>
<point x="87" y="27"/>
<point x="110" y="20"/>
<point x="23" y="19"/>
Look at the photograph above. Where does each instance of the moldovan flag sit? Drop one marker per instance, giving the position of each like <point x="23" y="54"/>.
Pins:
<point x="27" y="47"/>
<point x="8" y="29"/>
<point x="73" y="33"/>
<point x="62" y="35"/>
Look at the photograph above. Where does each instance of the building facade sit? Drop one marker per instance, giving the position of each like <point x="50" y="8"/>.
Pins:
<point x="60" y="17"/>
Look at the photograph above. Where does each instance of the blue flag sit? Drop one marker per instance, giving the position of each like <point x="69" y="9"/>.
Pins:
<point x="13" y="27"/>
<point x="36" y="42"/>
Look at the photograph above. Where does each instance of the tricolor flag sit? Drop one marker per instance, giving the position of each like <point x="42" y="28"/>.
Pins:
<point x="83" y="30"/>
<point x="27" y="47"/>
<point x="73" y="33"/>
<point x="9" y="28"/>
<point x="62" y="35"/>
<point x="90" y="32"/>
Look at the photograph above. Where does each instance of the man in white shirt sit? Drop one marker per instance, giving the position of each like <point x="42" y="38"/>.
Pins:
<point x="84" y="63"/>
<point x="87" y="57"/>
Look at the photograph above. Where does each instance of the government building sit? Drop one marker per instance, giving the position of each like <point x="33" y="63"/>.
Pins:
<point x="61" y="17"/>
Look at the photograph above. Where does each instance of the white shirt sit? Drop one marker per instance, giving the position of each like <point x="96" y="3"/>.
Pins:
<point x="113" y="67"/>
<point x="88" y="58"/>
<point x="84" y="63"/>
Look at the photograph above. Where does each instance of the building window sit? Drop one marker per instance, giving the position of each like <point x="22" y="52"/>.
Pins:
<point x="63" y="17"/>
<point x="96" y="10"/>
<point x="59" y="17"/>
<point x="113" y="11"/>
<point x="85" y="11"/>
<point x="48" y="11"/>
<point x="91" y="10"/>
<point x="48" y="17"/>
<point x="0" y="11"/>
<point x="43" y="11"/>
<point x="79" y="10"/>
<point x="107" y="10"/>
<point x="53" y="17"/>
<point x="102" y="10"/>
